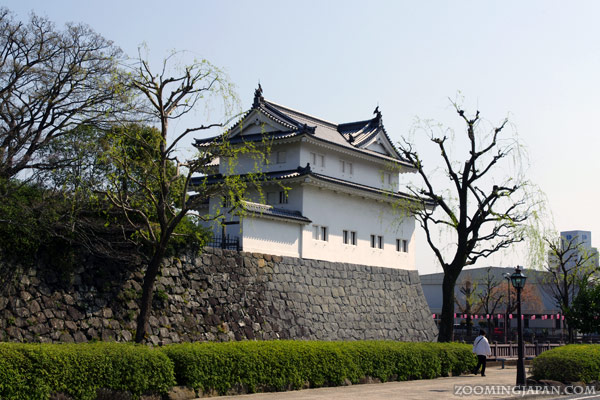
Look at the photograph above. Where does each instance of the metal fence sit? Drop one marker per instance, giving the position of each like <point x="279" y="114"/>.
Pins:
<point x="511" y="350"/>
<point x="225" y="242"/>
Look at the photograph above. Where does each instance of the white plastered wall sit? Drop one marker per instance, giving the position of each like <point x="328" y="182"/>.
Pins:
<point x="267" y="236"/>
<point x="338" y="212"/>
<point x="365" y="172"/>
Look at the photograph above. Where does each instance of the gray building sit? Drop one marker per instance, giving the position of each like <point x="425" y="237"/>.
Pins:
<point x="538" y="306"/>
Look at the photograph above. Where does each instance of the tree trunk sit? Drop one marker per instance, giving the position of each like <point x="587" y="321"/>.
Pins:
<point x="447" y="319"/>
<point x="469" y="322"/>
<point x="147" y="294"/>
<point x="571" y="334"/>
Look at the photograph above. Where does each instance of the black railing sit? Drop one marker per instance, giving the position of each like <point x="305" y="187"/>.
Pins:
<point x="227" y="242"/>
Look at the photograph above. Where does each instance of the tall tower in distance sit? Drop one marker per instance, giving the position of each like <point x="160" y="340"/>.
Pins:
<point x="582" y="244"/>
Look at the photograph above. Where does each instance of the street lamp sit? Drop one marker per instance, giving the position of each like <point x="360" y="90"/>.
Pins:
<point x="506" y="276"/>
<point x="518" y="281"/>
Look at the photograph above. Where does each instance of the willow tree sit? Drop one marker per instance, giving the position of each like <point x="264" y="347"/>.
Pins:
<point x="484" y="212"/>
<point x="149" y="184"/>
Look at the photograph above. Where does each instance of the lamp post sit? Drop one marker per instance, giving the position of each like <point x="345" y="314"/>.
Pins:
<point x="506" y="276"/>
<point x="518" y="281"/>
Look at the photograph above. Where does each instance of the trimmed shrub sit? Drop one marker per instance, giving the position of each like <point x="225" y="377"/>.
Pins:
<point x="35" y="371"/>
<point x="571" y="363"/>
<point x="284" y="365"/>
<point x="15" y="379"/>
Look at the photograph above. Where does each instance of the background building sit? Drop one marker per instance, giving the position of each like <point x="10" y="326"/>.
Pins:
<point x="580" y="243"/>
<point x="538" y="306"/>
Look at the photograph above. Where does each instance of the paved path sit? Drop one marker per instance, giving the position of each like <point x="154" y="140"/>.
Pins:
<point x="437" y="389"/>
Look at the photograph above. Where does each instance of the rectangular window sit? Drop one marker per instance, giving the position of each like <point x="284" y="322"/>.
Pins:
<point x="373" y="241"/>
<point x="317" y="160"/>
<point x="346" y="167"/>
<point x="380" y="242"/>
<point x="281" y="157"/>
<point x="320" y="233"/>
<point x="387" y="178"/>
<point x="349" y="237"/>
<point x="324" y="233"/>
<point x="283" y="198"/>
<point x="402" y="245"/>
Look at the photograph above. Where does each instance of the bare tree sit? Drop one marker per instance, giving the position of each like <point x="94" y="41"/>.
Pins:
<point x="467" y="303"/>
<point x="150" y="186"/>
<point x="51" y="81"/>
<point x="490" y="296"/>
<point x="487" y="217"/>
<point x="569" y="264"/>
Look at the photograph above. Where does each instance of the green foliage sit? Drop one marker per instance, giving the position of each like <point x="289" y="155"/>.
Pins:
<point x="584" y="313"/>
<point x="51" y="221"/>
<point x="139" y="177"/>
<point x="52" y="228"/>
<point x="29" y="216"/>
<point x="79" y="370"/>
<point x="15" y="381"/>
<point x="284" y="365"/>
<point x="78" y="160"/>
<point x="136" y="170"/>
<point x="571" y="363"/>
<point x="35" y="371"/>
<point x="188" y="235"/>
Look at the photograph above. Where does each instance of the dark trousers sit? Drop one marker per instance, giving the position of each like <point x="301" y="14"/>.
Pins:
<point x="480" y="363"/>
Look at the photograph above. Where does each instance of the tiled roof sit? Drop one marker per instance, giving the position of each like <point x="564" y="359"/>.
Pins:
<point x="248" y="138"/>
<point x="306" y="172"/>
<point x="352" y="135"/>
<point x="270" y="211"/>
<point x="269" y="176"/>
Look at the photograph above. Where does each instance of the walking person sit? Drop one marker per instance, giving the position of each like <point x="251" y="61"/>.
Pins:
<point x="481" y="348"/>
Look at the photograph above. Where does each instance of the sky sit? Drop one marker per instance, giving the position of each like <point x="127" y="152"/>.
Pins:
<point x="535" y="62"/>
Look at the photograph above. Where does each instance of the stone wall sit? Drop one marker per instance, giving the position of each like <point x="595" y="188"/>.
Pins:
<point x="220" y="295"/>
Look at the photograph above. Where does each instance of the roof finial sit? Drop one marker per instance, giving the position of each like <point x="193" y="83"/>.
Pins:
<point x="377" y="114"/>
<point x="258" y="97"/>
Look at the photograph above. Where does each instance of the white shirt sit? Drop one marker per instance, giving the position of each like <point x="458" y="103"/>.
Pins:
<point x="481" y="347"/>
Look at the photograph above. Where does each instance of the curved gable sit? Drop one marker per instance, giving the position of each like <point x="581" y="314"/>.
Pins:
<point x="257" y="122"/>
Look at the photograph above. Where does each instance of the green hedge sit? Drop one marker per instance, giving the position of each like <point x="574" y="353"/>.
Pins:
<point x="284" y="365"/>
<point x="34" y="371"/>
<point x="572" y="363"/>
